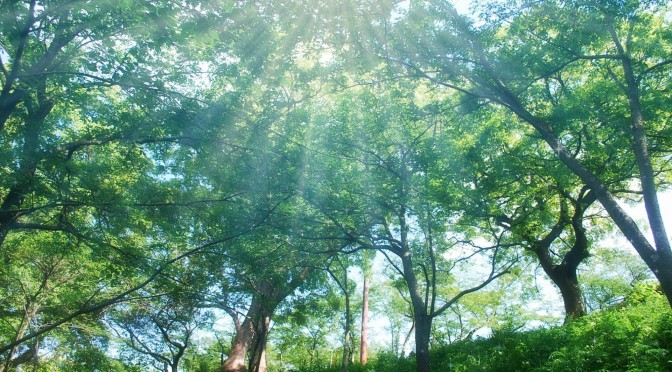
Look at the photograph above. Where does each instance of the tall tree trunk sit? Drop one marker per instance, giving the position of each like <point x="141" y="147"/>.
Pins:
<point x="423" y="321"/>
<point x="256" y="326"/>
<point x="258" y="354"/>
<point x="663" y="254"/>
<point x="346" y="346"/>
<point x="365" y="321"/>
<point x="348" y="325"/>
<point x="423" y="326"/>
<point x="237" y="358"/>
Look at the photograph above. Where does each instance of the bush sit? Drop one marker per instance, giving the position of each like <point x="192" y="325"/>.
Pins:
<point x="634" y="337"/>
<point x="637" y="337"/>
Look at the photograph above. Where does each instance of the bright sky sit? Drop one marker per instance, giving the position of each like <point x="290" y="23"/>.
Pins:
<point x="462" y="6"/>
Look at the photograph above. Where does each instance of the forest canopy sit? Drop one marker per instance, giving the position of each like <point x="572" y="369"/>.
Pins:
<point x="299" y="185"/>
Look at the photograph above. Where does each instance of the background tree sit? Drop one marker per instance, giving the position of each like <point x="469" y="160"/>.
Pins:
<point x="536" y="66"/>
<point x="393" y="153"/>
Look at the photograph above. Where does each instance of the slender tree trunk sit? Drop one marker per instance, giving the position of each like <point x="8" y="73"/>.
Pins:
<point x="663" y="256"/>
<point x="365" y="321"/>
<point x="346" y="346"/>
<point x="348" y="325"/>
<point x="407" y="339"/>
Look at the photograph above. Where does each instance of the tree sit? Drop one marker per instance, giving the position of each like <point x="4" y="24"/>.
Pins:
<point x="366" y="285"/>
<point x="535" y="61"/>
<point x="515" y="185"/>
<point x="102" y="110"/>
<point x="157" y="330"/>
<point x="344" y="284"/>
<point x="385" y="201"/>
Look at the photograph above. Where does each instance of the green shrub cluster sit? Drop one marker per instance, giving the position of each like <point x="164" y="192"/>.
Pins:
<point x="634" y="337"/>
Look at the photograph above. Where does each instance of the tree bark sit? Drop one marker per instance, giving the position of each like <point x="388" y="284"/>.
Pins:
<point x="423" y="327"/>
<point x="423" y="321"/>
<point x="236" y="361"/>
<point x="255" y="328"/>
<point x="258" y="354"/>
<point x="365" y="321"/>
<point x="564" y="274"/>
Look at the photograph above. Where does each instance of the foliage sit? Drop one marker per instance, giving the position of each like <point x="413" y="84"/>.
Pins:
<point x="635" y="337"/>
<point x="166" y="163"/>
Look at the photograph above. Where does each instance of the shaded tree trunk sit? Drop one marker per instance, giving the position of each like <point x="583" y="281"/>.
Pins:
<point x="423" y="321"/>
<point x="347" y="326"/>
<point x="258" y="352"/>
<point x="236" y="361"/>
<point x="423" y="328"/>
<point x="365" y="321"/>
<point x="564" y="275"/>
<point x="565" y="278"/>
<point x="252" y="334"/>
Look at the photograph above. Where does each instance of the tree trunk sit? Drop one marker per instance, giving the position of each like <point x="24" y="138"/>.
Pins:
<point x="423" y="326"/>
<point x="346" y="346"/>
<point x="255" y="328"/>
<point x="564" y="275"/>
<point x="258" y="354"/>
<point x="571" y="294"/>
<point x="365" y="321"/>
<point x="663" y="254"/>
<point x="423" y="321"/>
<point x="348" y="325"/>
<point x="241" y="342"/>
